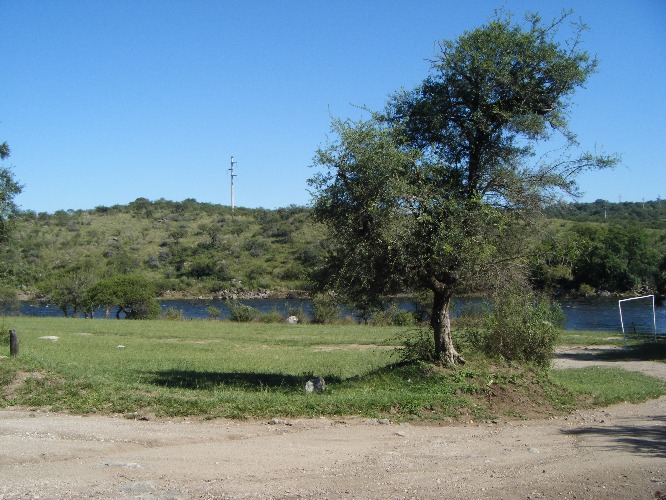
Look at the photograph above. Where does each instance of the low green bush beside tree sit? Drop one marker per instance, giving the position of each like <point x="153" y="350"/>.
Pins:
<point x="271" y="317"/>
<point x="520" y="327"/>
<point x="392" y="316"/>
<point x="174" y="314"/>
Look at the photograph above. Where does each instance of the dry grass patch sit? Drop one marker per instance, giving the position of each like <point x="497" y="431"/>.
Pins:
<point x="351" y="347"/>
<point x="20" y="378"/>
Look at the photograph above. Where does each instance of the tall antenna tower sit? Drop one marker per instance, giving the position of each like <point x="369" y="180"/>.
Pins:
<point x="232" y="184"/>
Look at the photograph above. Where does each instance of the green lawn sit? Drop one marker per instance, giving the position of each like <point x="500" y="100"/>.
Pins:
<point x="583" y="337"/>
<point x="606" y="386"/>
<point x="223" y="369"/>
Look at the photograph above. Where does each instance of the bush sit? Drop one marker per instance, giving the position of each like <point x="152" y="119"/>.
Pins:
<point x="472" y="315"/>
<point x="241" y="313"/>
<point x="325" y="308"/>
<point x="298" y="312"/>
<point x="393" y="317"/>
<point x="212" y="312"/>
<point x="522" y="327"/>
<point x="271" y="317"/>
<point x="174" y="314"/>
<point x="417" y="345"/>
<point x="402" y="318"/>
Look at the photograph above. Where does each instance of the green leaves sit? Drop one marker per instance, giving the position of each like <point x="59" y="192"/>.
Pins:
<point x="9" y="188"/>
<point x="491" y="96"/>
<point x="132" y="294"/>
<point x="365" y="199"/>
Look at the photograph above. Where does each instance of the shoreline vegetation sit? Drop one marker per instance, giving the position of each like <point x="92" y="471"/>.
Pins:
<point x="27" y="296"/>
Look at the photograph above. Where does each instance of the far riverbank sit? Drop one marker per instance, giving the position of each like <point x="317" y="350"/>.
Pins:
<point x="595" y="314"/>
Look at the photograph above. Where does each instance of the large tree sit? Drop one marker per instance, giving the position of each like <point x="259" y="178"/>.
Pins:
<point x="131" y="294"/>
<point x="436" y="192"/>
<point x="9" y="188"/>
<point x="67" y="287"/>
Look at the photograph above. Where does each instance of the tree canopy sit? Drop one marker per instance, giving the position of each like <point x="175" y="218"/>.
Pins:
<point x="133" y="295"/>
<point x="434" y="192"/>
<point x="9" y="188"/>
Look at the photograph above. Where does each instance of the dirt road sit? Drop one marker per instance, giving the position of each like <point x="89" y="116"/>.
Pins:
<point x="615" y="452"/>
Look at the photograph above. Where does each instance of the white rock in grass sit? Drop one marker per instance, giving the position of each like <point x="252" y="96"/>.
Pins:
<point x="50" y="337"/>
<point x="316" y="384"/>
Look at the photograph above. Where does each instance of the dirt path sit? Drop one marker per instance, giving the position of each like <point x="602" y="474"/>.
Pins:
<point x="615" y="452"/>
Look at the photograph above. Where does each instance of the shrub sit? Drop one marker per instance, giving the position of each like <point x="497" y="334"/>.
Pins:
<point x="241" y="312"/>
<point x="417" y="345"/>
<point x="393" y="317"/>
<point x="325" y="308"/>
<point x="9" y="301"/>
<point x="473" y="315"/>
<point x="271" y="317"/>
<point x="522" y="327"/>
<point x="402" y="318"/>
<point x="298" y="312"/>
<point x="174" y="314"/>
<point x="212" y="312"/>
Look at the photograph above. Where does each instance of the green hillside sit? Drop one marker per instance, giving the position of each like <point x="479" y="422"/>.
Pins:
<point x="194" y="249"/>
<point x="187" y="247"/>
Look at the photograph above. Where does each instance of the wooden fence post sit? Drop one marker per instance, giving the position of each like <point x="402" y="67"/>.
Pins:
<point x="13" y="343"/>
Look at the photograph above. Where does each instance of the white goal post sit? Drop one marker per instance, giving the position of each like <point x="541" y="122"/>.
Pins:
<point x="654" y="315"/>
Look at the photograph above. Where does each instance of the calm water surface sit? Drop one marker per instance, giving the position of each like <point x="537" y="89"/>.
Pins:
<point x="598" y="314"/>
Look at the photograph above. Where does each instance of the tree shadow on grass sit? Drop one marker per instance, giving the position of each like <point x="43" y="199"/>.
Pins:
<point x="197" y="380"/>
<point x="650" y="351"/>
<point x="641" y="439"/>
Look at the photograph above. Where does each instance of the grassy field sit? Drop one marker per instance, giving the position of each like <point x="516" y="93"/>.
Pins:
<point x="223" y="369"/>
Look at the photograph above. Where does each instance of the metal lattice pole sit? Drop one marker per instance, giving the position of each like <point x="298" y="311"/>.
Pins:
<point x="232" y="184"/>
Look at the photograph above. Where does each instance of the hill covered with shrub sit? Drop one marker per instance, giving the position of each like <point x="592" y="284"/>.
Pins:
<point x="192" y="249"/>
<point x="187" y="248"/>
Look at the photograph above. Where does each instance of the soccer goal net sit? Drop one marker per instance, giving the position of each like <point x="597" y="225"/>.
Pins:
<point x="638" y="317"/>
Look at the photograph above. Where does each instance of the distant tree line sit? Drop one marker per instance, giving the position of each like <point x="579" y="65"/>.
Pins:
<point x="649" y="214"/>
<point x="588" y="258"/>
<point x="604" y="247"/>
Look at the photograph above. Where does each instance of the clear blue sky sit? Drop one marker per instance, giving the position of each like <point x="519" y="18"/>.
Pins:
<point x="103" y="102"/>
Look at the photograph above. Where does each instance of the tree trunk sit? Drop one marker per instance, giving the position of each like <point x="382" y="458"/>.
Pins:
<point x="440" y="320"/>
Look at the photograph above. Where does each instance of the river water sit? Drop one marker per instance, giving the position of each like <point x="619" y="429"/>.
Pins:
<point x="597" y="314"/>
